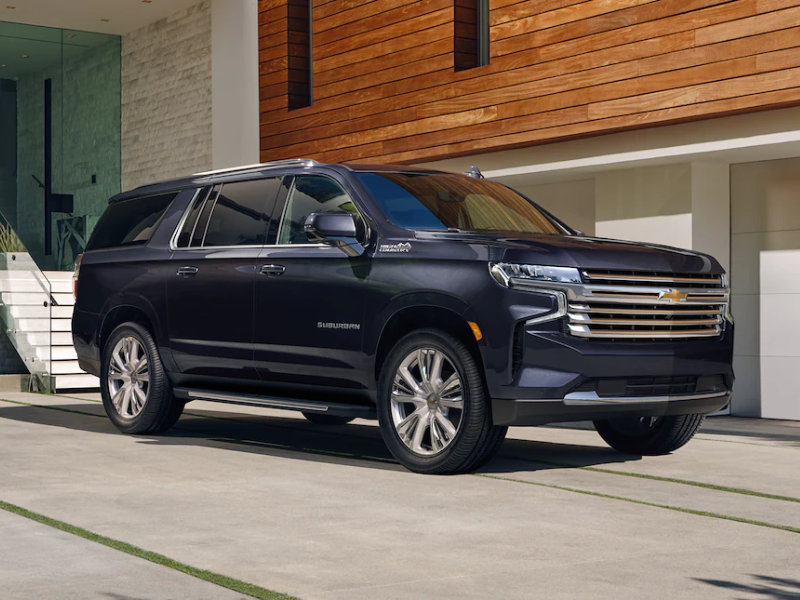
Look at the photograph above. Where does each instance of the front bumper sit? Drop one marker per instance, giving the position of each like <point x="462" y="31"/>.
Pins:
<point x="559" y="377"/>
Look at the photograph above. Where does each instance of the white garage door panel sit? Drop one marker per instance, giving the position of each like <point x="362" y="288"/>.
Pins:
<point x="779" y="387"/>
<point x="780" y="325"/>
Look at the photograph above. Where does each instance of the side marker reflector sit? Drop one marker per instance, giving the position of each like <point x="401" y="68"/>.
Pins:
<point x="476" y="331"/>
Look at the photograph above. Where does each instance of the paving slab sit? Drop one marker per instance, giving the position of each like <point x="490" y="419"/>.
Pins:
<point x="37" y="561"/>
<point x="321" y="512"/>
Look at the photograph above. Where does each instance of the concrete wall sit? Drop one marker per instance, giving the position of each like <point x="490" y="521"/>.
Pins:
<point x="86" y="141"/>
<point x="571" y="201"/>
<point x="8" y="149"/>
<point x="647" y="204"/>
<point x="234" y="79"/>
<point x="166" y="98"/>
<point x="765" y="277"/>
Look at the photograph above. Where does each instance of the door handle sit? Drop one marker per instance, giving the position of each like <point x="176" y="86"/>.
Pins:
<point x="272" y="270"/>
<point x="187" y="271"/>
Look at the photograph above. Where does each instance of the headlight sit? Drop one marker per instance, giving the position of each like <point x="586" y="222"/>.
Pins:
<point x="507" y="273"/>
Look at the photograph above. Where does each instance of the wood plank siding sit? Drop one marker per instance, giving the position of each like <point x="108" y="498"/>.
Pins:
<point x="386" y="87"/>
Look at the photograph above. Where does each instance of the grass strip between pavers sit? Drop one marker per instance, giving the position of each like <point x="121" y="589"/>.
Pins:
<point x="236" y="585"/>
<point x="691" y="511"/>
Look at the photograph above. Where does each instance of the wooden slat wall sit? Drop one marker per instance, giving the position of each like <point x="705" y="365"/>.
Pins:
<point x="386" y="90"/>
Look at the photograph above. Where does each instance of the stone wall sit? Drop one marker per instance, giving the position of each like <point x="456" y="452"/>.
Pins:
<point x="166" y="98"/>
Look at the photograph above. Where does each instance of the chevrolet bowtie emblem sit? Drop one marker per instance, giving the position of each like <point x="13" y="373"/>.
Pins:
<point x="673" y="296"/>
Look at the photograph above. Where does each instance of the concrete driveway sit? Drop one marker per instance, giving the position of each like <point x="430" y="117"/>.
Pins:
<point x="267" y="499"/>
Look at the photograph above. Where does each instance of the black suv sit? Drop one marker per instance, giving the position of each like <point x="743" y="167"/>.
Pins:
<point x="448" y="306"/>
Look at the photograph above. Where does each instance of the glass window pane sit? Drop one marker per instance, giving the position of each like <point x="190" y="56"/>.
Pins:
<point x="242" y="213"/>
<point x="311" y="193"/>
<point x="185" y="235"/>
<point x="446" y="201"/>
<point x="129" y="222"/>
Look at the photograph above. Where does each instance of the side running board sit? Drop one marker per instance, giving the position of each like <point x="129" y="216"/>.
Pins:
<point x="313" y="406"/>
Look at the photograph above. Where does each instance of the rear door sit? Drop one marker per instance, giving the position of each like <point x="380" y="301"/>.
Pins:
<point x="309" y="297"/>
<point x="210" y="291"/>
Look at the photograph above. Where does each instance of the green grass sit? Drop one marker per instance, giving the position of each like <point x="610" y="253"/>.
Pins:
<point x="690" y="511"/>
<point x="236" y="585"/>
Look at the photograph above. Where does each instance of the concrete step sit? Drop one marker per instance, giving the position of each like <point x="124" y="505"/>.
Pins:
<point x="23" y="285"/>
<point x="12" y="383"/>
<point x="65" y="367"/>
<point x="34" y="312"/>
<point x="76" y="382"/>
<point x="24" y="298"/>
<point x="56" y="353"/>
<point x="58" y="275"/>
<point x="43" y="338"/>
<point x="64" y="299"/>
<point x="61" y="325"/>
<point x="61" y="286"/>
<point x="25" y="326"/>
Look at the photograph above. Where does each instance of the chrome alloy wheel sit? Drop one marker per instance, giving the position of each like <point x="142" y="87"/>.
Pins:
<point x="129" y="377"/>
<point x="427" y="403"/>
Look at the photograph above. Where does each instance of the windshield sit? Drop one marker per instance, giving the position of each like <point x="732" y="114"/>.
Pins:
<point x="447" y="201"/>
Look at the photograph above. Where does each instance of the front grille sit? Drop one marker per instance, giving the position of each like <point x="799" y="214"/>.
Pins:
<point x="632" y="387"/>
<point x="648" y="306"/>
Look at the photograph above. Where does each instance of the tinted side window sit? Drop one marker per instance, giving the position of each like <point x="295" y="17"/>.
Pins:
<point x="311" y="193"/>
<point x="185" y="236"/>
<point x="241" y="213"/>
<point x="129" y="221"/>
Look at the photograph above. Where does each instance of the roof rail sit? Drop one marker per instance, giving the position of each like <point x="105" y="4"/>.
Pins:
<point x="275" y="163"/>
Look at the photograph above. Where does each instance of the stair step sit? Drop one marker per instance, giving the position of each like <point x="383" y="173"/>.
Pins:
<point x="25" y="326"/>
<point x="64" y="299"/>
<point x="40" y="312"/>
<point x="75" y="382"/>
<point x="61" y="325"/>
<point x="22" y="285"/>
<point x="56" y="353"/>
<point x="60" y="286"/>
<point x="65" y="367"/>
<point x="58" y="275"/>
<point x="24" y="298"/>
<point x="43" y="338"/>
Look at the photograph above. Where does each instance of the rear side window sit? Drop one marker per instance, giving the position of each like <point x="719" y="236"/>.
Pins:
<point x="129" y="222"/>
<point x="241" y="213"/>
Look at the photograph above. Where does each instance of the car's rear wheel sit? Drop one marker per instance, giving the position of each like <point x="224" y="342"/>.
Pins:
<point x="323" y="419"/>
<point x="649" y="435"/>
<point x="433" y="409"/>
<point x="137" y="394"/>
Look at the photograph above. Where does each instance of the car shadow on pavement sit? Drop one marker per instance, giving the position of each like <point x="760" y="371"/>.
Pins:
<point x="355" y="443"/>
<point x="764" y="586"/>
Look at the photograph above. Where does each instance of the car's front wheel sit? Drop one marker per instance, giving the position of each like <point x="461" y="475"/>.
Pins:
<point x="137" y="394"/>
<point x="649" y="435"/>
<point x="433" y="409"/>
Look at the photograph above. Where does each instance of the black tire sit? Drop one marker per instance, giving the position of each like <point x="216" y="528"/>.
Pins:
<point x="475" y="440"/>
<point x="160" y="409"/>
<point x="648" y="435"/>
<point x="323" y="419"/>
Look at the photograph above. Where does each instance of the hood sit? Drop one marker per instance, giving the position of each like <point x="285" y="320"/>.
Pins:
<point x="583" y="252"/>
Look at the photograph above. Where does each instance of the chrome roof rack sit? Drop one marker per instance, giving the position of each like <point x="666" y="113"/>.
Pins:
<point x="307" y="162"/>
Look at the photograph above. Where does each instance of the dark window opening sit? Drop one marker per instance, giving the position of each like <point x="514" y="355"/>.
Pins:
<point x="471" y="34"/>
<point x="241" y="213"/>
<point x="129" y="222"/>
<point x="299" y="41"/>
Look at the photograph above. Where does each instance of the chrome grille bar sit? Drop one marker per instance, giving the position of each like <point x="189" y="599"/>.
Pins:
<point x="647" y="306"/>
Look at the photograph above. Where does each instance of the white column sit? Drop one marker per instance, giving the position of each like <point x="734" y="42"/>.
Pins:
<point x="711" y="210"/>
<point x="234" y="83"/>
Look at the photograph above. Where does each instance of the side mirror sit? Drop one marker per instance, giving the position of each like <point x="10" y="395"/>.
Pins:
<point x="336" y="229"/>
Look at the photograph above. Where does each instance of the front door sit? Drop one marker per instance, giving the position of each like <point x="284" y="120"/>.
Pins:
<point x="309" y="302"/>
<point x="210" y="290"/>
